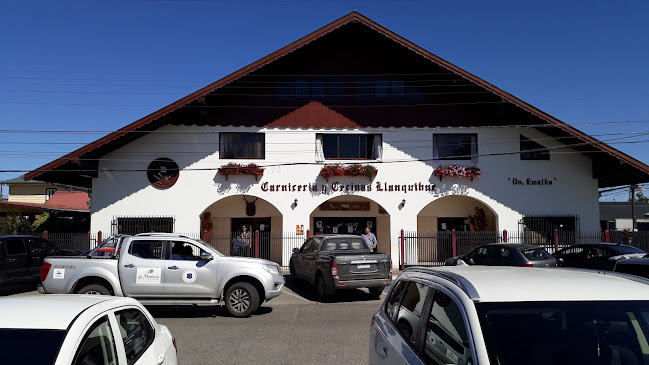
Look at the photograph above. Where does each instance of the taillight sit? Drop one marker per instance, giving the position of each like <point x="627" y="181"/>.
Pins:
<point x="528" y="265"/>
<point x="173" y="340"/>
<point x="334" y="269"/>
<point x="45" y="269"/>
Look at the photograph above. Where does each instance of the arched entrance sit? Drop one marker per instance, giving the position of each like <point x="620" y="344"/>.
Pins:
<point x="455" y="212"/>
<point x="350" y="214"/>
<point x="222" y="221"/>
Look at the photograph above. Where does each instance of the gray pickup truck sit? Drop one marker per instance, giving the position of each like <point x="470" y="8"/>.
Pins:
<point x="337" y="262"/>
<point x="167" y="269"/>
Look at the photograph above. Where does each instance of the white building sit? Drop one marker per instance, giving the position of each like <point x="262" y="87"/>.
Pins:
<point x="350" y="92"/>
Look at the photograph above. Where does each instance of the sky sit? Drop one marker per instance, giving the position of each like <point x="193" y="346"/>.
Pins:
<point x="80" y="69"/>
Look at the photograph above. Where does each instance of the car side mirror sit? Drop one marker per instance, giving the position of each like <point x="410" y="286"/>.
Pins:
<point x="560" y="259"/>
<point x="206" y="256"/>
<point x="296" y="250"/>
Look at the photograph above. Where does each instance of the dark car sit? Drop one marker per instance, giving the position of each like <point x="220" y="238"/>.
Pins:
<point x="340" y="262"/>
<point x="600" y="256"/>
<point x="506" y="254"/>
<point x="21" y="258"/>
<point x="639" y="267"/>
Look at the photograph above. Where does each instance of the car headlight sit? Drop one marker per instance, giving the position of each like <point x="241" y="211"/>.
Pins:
<point x="272" y="269"/>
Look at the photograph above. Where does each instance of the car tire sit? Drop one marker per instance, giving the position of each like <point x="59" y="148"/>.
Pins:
<point x="94" y="289"/>
<point x="293" y="273"/>
<point x="321" y="286"/>
<point x="241" y="299"/>
<point x="376" y="292"/>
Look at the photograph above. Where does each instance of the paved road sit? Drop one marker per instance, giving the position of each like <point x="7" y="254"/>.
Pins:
<point x="294" y="328"/>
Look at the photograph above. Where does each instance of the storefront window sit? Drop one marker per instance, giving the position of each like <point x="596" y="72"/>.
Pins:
<point x="242" y="145"/>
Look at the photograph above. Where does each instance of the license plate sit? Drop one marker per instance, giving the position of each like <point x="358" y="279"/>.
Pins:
<point x="363" y="266"/>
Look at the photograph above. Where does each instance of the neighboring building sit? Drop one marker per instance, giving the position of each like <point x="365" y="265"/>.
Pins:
<point x="31" y="198"/>
<point x="617" y="216"/>
<point x="350" y="92"/>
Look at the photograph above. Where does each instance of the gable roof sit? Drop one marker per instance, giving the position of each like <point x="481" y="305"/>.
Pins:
<point x="634" y="170"/>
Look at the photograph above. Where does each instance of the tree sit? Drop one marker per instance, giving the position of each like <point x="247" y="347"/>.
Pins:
<point x="639" y="196"/>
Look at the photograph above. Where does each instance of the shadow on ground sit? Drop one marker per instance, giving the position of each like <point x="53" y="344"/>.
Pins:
<point x="307" y="291"/>
<point x="197" y="311"/>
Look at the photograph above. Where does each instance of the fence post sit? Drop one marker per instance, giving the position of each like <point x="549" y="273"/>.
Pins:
<point x="454" y="242"/>
<point x="98" y="238"/>
<point x="257" y="243"/>
<point x="46" y="234"/>
<point x="626" y="236"/>
<point x="607" y="234"/>
<point x="308" y="234"/>
<point x="505" y="235"/>
<point x="556" y="240"/>
<point x="403" y="251"/>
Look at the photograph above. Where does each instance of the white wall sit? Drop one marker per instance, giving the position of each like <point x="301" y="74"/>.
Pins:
<point x="126" y="193"/>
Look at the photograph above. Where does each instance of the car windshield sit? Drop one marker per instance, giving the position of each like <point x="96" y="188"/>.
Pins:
<point x="17" y="345"/>
<point x="536" y="254"/>
<point x="611" y="332"/>
<point x="626" y="250"/>
<point x="347" y="243"/>
<point x="212" y="249"/>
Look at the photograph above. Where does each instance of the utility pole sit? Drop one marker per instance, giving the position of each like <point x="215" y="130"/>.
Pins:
<point x="633" y="226"/>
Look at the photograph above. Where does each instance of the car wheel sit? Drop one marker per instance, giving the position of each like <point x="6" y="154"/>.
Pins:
<point x="241" y="299"/>
<point x="376" y="292"/>
<point x="94" y="289"/>
<point x="293" y="274"/>
<point x="321" y="286"/>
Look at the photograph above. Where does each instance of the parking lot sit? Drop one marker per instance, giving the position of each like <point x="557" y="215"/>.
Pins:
<point x="294" y="328"/>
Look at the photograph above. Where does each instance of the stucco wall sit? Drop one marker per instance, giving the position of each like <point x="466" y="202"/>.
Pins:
<point x="573" y="190"/>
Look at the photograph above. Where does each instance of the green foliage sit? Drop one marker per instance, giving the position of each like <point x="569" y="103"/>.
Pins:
<point x="40" y="221"/>
<point x="14" y="223"/>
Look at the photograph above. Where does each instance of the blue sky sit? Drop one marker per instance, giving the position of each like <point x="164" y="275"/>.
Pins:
<point x="100" y="65"/>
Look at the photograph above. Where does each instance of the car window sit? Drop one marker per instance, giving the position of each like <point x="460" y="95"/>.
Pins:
<point x="311" y="246"/>
<point x="39" y="245"/>
<point x="572" y="251"/>
<point x="136" y="331"/>
<point x="181" y="250"/>
<point x="410" y="311"/>
<point x="446" y="337"/>
<point x="502" y="254"/>
<point x="97" y="345"/>
<point x="394" y="298"/>
<point x="625" y="250"/>
<point x="596" y="253"/>
<point x="535" y="254"/>
<point x="479" y="252"/>
<point x="146" y="249"/>
<point x="15" y="247"/>
<point x="343" y="244"/>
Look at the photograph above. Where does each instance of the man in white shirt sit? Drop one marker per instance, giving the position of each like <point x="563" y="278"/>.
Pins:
<point x="370" y="239"/>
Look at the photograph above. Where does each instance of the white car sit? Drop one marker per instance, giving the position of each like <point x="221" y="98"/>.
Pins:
<point x="511" y="316"/>
<point x="81" y="330"/>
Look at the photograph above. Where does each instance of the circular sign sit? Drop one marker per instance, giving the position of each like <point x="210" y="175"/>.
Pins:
<point x="189" y="276"/>
<point x="163" y="173"/>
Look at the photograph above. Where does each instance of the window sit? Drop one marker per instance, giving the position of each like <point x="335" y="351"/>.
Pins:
<point x="41" y="246"/>
<point x="531" y="150"/>
<point x="455" y="147"/>
<point x="135" y="225"/>
<point x="242" y="145"/>
<point x="97" y="346"/>
<point x="348" y="146"/>
<point x="49" y="192"/>
<point x="407" y="320"/>
<point x="185" y="251"/>
<point x="392" y="303"/>
<point x="136" y="331"/>
<point x="15" y="247"/>
<point x="446" y="337"/>
<point x="146" y="249"/>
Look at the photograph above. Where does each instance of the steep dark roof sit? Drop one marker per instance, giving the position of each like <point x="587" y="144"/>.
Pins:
<point x="611" y="167"/>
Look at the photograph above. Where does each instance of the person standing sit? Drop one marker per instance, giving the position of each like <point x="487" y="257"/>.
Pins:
<point x="246" y="238"/>
<point x="370" y="239"/>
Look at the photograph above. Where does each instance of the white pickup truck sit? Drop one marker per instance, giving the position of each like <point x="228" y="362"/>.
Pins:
<point x="167" y="269"/>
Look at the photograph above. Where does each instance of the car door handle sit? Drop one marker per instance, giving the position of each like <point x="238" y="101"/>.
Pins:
<point x="173" y="267"/>
<point x="161" y="359"/>
<point x="129" y="266"/>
